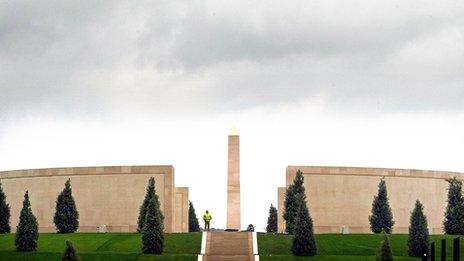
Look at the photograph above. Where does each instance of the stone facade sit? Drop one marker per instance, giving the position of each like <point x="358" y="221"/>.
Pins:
<point x="342" y="196"/>
<point x="181" y="209"/>
<point x="233" y="183"/>
<point x="108" y="196"/>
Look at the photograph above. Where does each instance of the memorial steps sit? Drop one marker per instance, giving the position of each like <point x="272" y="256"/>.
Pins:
<point x="229" y="246"/>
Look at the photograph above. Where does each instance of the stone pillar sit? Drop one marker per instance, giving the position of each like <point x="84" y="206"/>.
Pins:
<point x="280" y="209"/>
<point x="233" y="183"/>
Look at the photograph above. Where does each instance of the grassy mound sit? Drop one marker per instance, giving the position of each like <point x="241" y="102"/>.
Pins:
<point x="343" y="247"/>
<point x="109" y="246"/>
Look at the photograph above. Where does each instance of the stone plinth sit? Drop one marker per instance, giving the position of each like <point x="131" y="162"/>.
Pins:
<point x="233" y="183"/>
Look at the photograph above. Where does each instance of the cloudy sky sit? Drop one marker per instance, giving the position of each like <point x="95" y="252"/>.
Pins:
<point x="351" y="83"/>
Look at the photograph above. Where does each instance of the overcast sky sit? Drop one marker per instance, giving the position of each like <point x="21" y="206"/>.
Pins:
<point x="352" y="83"/>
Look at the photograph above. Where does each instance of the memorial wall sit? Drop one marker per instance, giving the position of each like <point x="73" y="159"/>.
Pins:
<point x="109" y="196"/>
<point x="342" y="196"/>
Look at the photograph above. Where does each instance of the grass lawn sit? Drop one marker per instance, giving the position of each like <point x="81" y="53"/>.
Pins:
<point x="108" y="246"/>
<point x="343" y="247"/>
<point x="186" y="246"/>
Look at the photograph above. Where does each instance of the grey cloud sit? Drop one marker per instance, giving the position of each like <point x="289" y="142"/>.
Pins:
<point x="195" y="57"/>
<point x="204" y="36"/>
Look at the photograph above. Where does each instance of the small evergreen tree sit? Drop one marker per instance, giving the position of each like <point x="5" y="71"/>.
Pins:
<point x="381" y="218"/>
<point x="290" y="209"/>
<point x="27" y="232"/>
<point x="385" y="251"/>
<point x="418" y="240"/>
<point x="70" y="253"/>
<point x="66" y="217"/>
<point x="194" y="226"/>
<point x="152" y="232"/>
<point x="143" y="208"/>
<point x="291" y="201"/>
<point x="4" y="213"/>
<point x="454" y="215"/>
<point x="272" y="220"/>
<point x="304" y="243"/>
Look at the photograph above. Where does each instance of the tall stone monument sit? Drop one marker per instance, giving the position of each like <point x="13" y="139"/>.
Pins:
<point x="233" y="183"/>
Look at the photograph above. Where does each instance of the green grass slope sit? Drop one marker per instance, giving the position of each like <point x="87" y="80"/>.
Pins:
<point x="343" y="247"/>
<point x="109" y="246"/>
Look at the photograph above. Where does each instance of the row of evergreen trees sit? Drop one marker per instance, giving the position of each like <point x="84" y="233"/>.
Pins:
<point x="381" y="218"/>
<point x="66" y="219"/>
<point x="381" y="221"/>
<point x="299" y="222"/>
<point x="418" y="238"/>
<point x="27" y="234"/>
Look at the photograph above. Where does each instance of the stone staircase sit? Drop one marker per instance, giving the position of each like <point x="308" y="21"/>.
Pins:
<point x="229" y="246"/>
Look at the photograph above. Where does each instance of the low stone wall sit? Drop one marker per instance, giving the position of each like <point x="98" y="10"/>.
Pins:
<point x="108" y="196"/>
<point x="342" y="196"/>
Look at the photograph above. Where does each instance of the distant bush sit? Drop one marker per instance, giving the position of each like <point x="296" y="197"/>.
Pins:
<point x="385" y="251"/>
<point x="251" y="228"/>
<point x="69" y="253"/>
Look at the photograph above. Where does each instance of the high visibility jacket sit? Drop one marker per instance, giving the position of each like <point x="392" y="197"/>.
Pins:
<point x="207" y="217"/>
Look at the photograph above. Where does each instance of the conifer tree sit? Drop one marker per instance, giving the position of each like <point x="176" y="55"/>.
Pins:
<point x="298" y="183"/>
<point x="381" y="218"/>
<point x="143" y="208"/>
<point x="194" y="226"/>
<point x="290" y="209"/>
<point x="70" y="253"/>
<point x="454" y="215"/>
<point x="272" y="220"/>
<point x="66" y="217"/>
<point x="4" y="213"/>
<point x="291" y="201"/>
<point x="418" y="240"/>
<point x="27" y="232"/>
<point x="385" y="251"/>
<point x="152" y="231"/>
<point x="304" y="243"/>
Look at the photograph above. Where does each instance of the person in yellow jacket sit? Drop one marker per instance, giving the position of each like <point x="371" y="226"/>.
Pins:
<point x="207" y="218"/>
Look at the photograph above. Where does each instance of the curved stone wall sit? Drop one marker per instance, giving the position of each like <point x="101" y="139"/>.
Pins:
<point x="342" y="196"/>
<point x="108" y="196"/>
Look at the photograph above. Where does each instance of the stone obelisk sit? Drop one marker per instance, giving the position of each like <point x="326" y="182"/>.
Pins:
<point x="233" y="183"/>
